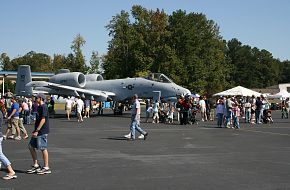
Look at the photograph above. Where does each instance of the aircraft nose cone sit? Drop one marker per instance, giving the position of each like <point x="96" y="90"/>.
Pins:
<point x="183" y="91"/>
<point x="187" y="91"/>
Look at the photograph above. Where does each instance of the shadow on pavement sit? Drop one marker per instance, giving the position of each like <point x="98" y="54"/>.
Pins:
<point x="116" y="138"/>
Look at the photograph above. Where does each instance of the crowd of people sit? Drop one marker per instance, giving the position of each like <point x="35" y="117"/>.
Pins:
<point x="227" y="110"/>
<point x="35" y="110"/>
<point x="254" y="110"/>
<point x="18" y="111"/>
<point x="82" y="108"/>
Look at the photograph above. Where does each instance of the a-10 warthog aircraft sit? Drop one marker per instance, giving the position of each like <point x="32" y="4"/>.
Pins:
<point x="94" y="87"/>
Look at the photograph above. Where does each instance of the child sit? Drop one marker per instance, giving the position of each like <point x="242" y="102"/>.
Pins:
<point x="170" y="114"/>
<point x="155" y="112"/>
<point x="269" y="118"/>
<point x="236" y="116"/>
<point x="148" y="112"/>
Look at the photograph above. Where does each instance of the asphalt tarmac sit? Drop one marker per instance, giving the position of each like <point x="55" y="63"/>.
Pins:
<point x="94" y="155"/>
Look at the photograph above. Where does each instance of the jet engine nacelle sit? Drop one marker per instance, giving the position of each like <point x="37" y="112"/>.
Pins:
<point x="94" y="77"/>
<point x="74" y="79"/>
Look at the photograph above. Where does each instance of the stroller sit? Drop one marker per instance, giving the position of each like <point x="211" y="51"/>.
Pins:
<point x="166" y="116"/>
<point x="267" y="116"/>
<point x="163" y="117"/>
<point x="192" y="116"/>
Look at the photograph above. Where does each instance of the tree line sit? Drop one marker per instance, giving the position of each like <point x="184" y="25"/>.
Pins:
<point x="187" y="47"/>
<point x="40" y="62"/>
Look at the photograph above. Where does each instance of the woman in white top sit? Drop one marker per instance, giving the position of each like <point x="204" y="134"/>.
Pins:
<point x="80" y="107"/>
<point x="155" y="112"/>
<point x="68" y="106"/>
<point x="202" y="106"/>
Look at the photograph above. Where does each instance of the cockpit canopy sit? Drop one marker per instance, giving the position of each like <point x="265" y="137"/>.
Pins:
<point x="159" y="77"/>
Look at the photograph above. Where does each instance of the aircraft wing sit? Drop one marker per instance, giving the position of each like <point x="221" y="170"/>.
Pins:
<point x="74" y="90"/>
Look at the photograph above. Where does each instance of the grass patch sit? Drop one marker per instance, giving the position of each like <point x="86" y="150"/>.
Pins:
<point x="59" y="106"/>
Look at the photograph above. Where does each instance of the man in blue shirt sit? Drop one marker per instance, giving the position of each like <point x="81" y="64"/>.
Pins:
<point x="39" y="137"/>
<point x="3" y="159"/>
<point x="13" y="118"/>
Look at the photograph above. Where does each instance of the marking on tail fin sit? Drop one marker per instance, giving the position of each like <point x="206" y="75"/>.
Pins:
<point x="23" y="77"/>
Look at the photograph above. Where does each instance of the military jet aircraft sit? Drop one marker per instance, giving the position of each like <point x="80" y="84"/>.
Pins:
<point x="94" y="87"/>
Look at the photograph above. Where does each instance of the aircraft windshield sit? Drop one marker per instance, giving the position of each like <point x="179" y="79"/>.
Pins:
<point x="159" y="77"/>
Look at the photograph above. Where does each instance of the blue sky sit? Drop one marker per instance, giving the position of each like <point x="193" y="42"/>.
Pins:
<point x="50" y="26"/>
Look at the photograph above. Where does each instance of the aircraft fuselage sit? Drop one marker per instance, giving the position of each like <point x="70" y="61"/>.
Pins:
<point x="126" y="88"/>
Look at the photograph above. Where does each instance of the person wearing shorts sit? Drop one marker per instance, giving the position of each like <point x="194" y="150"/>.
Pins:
<point x="39" y="138"/>
<point x="3" y="159"/>
<point x="87" y="108"/>
<point x="80" y="108"/>
<point x="12" y="120"/>
<point x="68" y="105"/>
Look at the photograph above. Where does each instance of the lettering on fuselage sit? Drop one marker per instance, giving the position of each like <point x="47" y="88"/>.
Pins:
<point x="22" y="77"/>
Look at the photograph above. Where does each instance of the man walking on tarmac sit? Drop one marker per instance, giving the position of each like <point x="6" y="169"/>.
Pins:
<point x="39" y="137"/>
<point x="135" y="119"/>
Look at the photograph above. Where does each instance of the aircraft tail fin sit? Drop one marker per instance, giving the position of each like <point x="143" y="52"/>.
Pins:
<point x="23" y="77"/>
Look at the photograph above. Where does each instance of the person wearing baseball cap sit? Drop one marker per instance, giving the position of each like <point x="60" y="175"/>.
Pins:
<point x="39" y="137"/>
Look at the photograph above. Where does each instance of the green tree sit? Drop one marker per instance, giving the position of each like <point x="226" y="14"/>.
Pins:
<point x="70" y="62"/>
<point x="251" y="67"/>
<point x="201" y="51"/>
<point x="38" y="62"/>
<point x="79" y="60"/>
<point x="140" y="47"/>
<point x="117" y="62"/>
<point x="240" y="59"/>
<point x="59" y="62"/>
<point x="267" y="70"/>
<point x="5" y="62"/>
<point x="95" y="63"/>
<point x="285" y="72"/>
<point x="186" y="47"/>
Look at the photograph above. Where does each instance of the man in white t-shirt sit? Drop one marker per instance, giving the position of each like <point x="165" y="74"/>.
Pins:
<point x="202" y="106"/>
<point x="135" y="119"/>
<point x="155" y="112"/>
<point x="287" y="106"/>
<point x="248" y="106"/>
<point x="68" y="106"/>
<point x="80" y="107"/>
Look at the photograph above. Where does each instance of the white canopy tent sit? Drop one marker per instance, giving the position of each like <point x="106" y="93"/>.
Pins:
<point x="238" y="91"/>
<point x="283" y="94"/>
